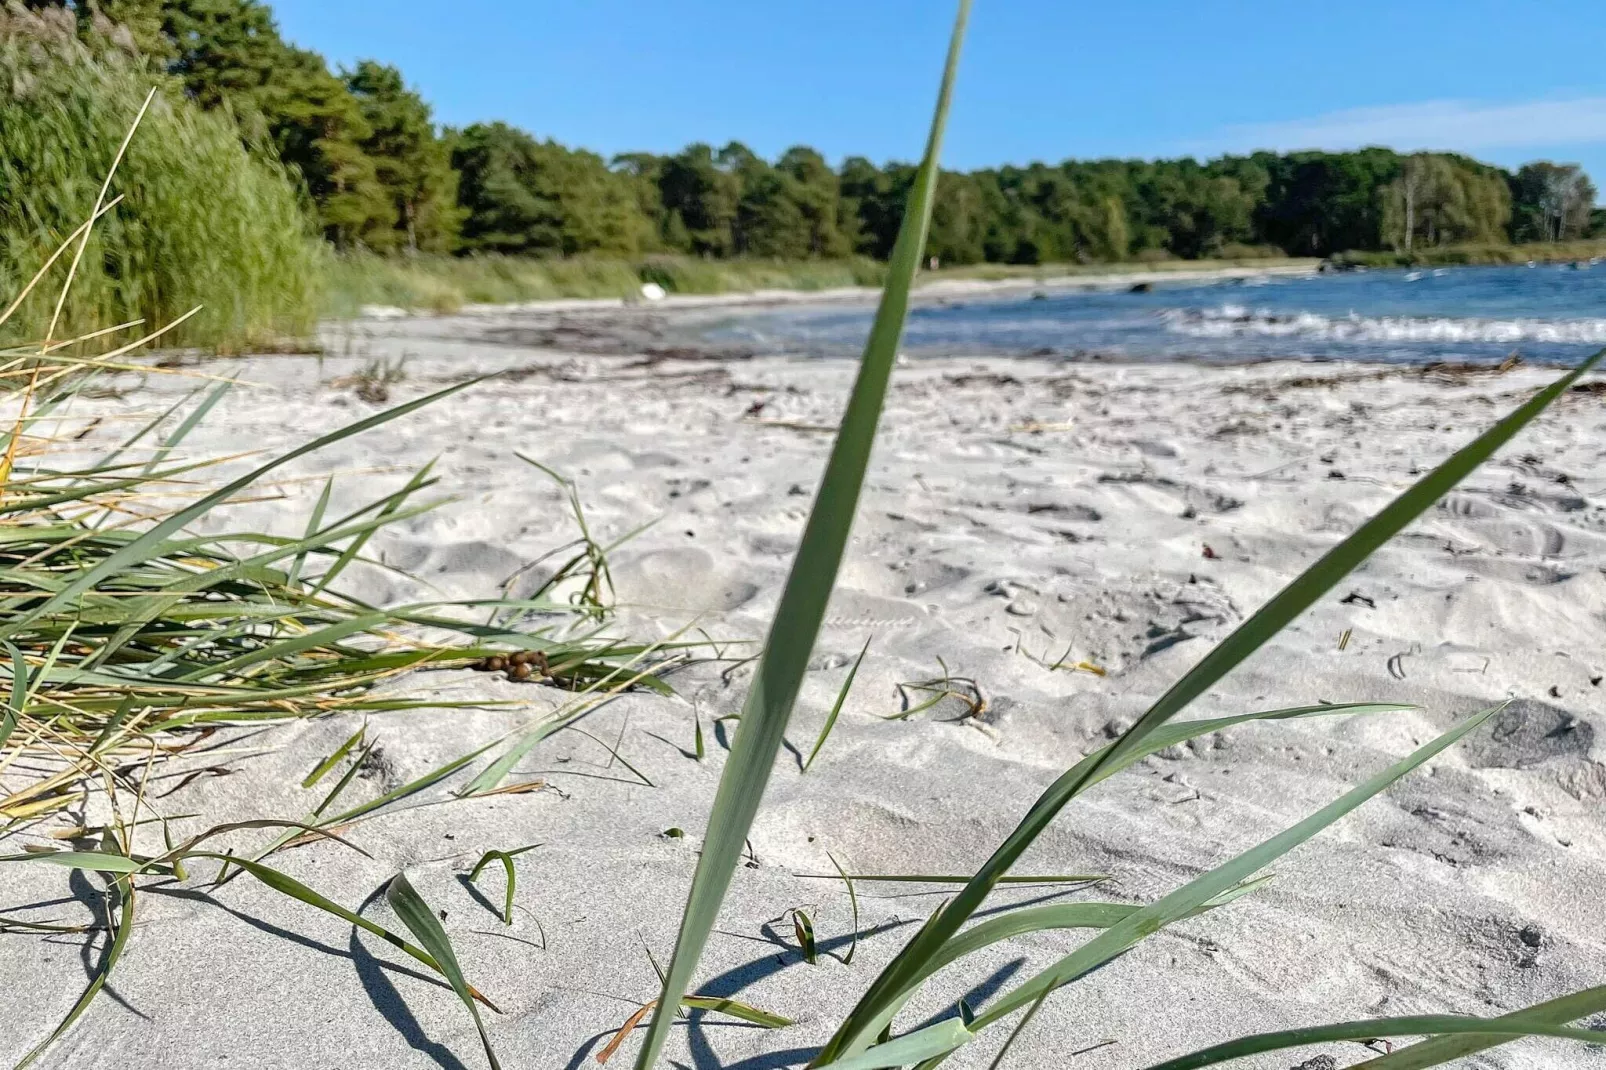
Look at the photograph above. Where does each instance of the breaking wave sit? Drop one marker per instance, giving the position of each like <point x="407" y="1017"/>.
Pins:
<point x="1237" y="321"/>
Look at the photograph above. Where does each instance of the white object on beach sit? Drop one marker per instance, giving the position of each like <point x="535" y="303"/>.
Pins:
<point x="651" y="291"/>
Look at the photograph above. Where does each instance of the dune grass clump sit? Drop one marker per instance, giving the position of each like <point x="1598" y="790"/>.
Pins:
<point x="446" y="283"/>
<point x="199" y="222"/>
<point x="127" y="639"/>
<point x="1583" y="249"/>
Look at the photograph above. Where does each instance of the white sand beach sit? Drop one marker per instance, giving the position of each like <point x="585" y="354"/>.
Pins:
<point x="1020" y="514"/>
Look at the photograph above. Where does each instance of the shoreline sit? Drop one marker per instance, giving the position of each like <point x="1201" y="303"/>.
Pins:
<point x="933" y="289"/>
<point x="669" y="329"/>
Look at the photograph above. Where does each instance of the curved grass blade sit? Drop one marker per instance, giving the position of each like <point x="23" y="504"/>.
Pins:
<point x="1266" y="622"/>
<point x="853" y="904"/>
<point x="1511" y="1028"/>
<point x="506" y="858"/>
<point x="841" y="697"/>
<point x="416" y="915"/>
<point x="808" y="588"/>
<point x="612" y="1047"/>
<point x="287" y="885"/>
<point x="1445" y="1049"/>
<point x="412" y="787"/>
<point x="176" y="854"/>
<point x="1122" y="936"/>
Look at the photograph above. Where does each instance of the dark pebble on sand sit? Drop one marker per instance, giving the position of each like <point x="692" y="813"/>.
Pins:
<point x="1320" y="1062"/>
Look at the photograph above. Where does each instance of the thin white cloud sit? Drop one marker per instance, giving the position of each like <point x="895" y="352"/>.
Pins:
<point x="1457" y="125"/>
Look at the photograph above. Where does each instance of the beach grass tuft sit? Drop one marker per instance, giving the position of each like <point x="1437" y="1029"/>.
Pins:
<point x="129" y="639"/>
<point x="197" y="221"/>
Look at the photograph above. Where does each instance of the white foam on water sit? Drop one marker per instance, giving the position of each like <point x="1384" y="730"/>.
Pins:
<point x="1236" y="321"/>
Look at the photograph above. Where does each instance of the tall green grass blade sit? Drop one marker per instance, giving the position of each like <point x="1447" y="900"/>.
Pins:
<point x="808" y="589"/>
<point x="836" y="708"/>
<point x="416" y="915"/>
<point x="333" y="760"/>
<point x="188" y="424"/>
<point x="345" y="781"/>
<point x="349" y="554"/>
<point x="313" y="522"/>
<point x="1125" y="934"/>
<point x="1441" y="1050"/>
<point x="1266" y="622"/>
<point x="1510" y="1028"/>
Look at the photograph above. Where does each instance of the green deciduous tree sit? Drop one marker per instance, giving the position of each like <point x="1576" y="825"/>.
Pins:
<point x="411" y="162"/>
<point x="519" y="195"/>
<point x="377" y="173"/>
<point x="1551" y="202"/>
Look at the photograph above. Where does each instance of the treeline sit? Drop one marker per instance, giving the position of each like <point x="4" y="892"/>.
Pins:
<point x="379" y="174"/>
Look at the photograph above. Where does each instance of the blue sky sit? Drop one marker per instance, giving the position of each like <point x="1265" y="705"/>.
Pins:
<point x="1042" y="79"/>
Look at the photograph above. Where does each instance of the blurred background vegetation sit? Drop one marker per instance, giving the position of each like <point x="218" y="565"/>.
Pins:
<point x="421" y="215"/>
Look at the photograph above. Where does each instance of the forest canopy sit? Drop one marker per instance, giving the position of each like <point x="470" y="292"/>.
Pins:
<point x="376" y="172"/>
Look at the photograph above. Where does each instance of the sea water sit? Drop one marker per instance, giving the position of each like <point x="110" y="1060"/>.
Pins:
<point x="1544" y="314"/>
